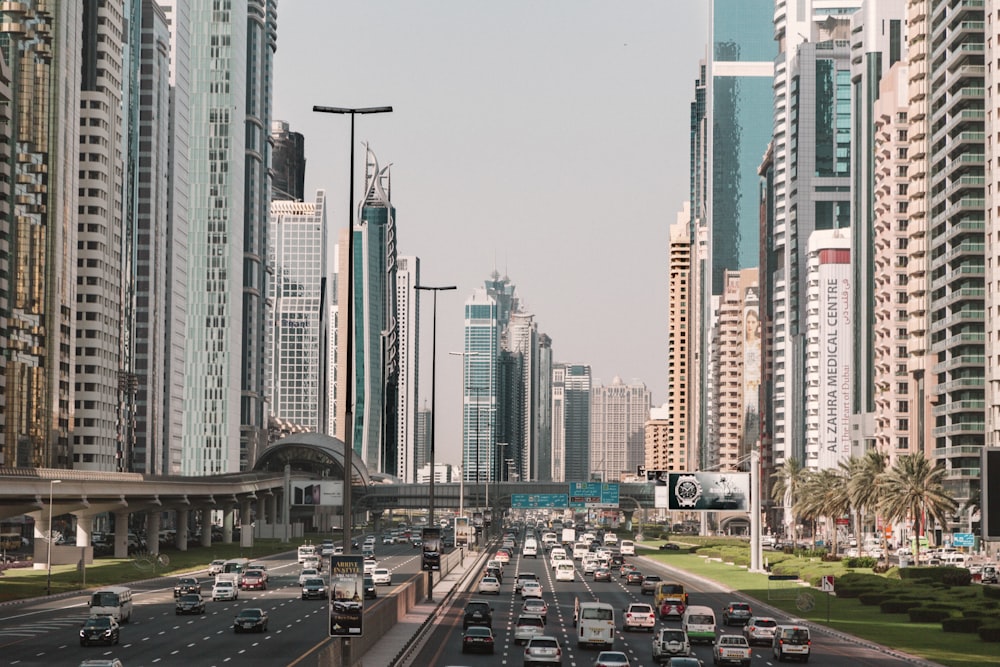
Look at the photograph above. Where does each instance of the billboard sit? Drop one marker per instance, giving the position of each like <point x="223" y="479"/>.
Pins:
<point x="709" y="491"/>
<point x="346" y="596"/>
<point x="431" y="540"/>
<point x="324" y="494"/>
<point x="463" y="531"/>
<point x="990" y="501"/>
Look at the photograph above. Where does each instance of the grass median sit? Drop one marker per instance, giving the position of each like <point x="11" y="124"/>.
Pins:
<point x="926" y="640"/>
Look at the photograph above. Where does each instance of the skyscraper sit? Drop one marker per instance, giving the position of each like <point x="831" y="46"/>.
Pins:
<point x="481" y="357"/>
<point x="618" y="414"/>
<point x="231" y="73"/>
<point x="680" y="335"/>
<point x="298" y="330"/>
<point x="288" y="163"/>
<point x="408" y="320"/>
<point x="571" y="387"/>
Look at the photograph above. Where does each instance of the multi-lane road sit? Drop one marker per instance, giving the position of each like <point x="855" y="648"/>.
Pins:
<point x="444" y="646"/>
<point x="46" y="632"/>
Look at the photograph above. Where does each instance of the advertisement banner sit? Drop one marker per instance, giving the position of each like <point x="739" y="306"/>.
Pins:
<point x="324" y="494"/>
<point x="463" y="531"/>
<point x="431" y="540"/>
<point x="346" y="596"/>
<point x="709" y="491"/>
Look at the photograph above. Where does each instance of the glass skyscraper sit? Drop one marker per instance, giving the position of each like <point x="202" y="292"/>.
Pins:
<point x="481" y="357"/>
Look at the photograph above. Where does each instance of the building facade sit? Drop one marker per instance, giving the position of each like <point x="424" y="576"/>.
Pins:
<point x="618" y="414"/>
<point x="408" y="318"/>
<point x="571" y="388"/>
<point x="679" y="340"/>
<point x="479" y="398"/>
<point x="288" y="163"/>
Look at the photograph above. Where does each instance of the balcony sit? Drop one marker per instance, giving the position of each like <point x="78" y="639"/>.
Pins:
<point x="963" y="473"/>
<point x="962" y="228"/>
<point x="962" y="294"/>
<point x="960" y="384"/>
<point x="974" y="360"/>
<point x="959" y="429"/>
<point x="959" y="450"/>
<point x="960" y="339"/>
<point x="961" y="317"/>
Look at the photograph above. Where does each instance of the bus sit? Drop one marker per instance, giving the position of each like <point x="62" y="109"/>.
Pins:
<point x="113" y="601"/>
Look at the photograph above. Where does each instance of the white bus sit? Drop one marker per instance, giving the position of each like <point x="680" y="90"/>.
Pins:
<point x="595" y="625"/>
<point x="113" y="601"/>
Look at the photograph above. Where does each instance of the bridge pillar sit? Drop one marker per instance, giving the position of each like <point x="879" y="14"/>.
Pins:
<point x="628" y="518"/>
<point x="84" y="528"/>
<point x="121" y="534"/>
<point x="227" y="524"/>
<point x="271" y="509"/>
<point x="246" y="530"/>
<point x="206" y="526"/>
<point x="152" y="531"/>
<point x="182" y="530"/>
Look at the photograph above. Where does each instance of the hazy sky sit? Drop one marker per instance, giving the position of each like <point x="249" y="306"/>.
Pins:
<point x="546" y="139"/>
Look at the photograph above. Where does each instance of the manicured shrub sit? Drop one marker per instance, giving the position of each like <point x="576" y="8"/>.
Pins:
<point x="961" y="624"/>
<point x="861" y="561"/>
<point x="990" y="632"/>
<point x="875" y="598"/>
<point x="925" y="615"/>
<point x="957" y="576"/>
<point x="991" y="592"/>
<point x="898" y="606"/>
<point x="942" y="575"/>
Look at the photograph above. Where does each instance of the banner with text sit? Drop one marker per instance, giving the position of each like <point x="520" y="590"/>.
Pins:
<point x="346" y="596"/>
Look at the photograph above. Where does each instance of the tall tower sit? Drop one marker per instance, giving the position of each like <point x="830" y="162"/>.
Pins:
<point x="480" y="358"/>
<point x="288" y="163"/>
<point x="571" y="389"/>
<point x="231" y="73"/>
<point x="408" y="319"/>
<point x="618" y="415"/>
<point x="679" y="335"/>
<point x="298" y="331"/>
<point x="45" y="142"/>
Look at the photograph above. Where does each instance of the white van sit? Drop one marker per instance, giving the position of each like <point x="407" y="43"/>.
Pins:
<point x="791" y="640"/>
<point x="595" y="625"/>
<point x="530" y="548"/>
<point x="580" y="549"/>
<point x="565" y="571"/>
<point x="113" y="601"/>
<point x="306" y="551"/>
<point x="699" y="624"/>
<point x="610" y="538"/>
<point x="627" y="548"/>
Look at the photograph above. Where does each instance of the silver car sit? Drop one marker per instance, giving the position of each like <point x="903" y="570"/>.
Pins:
<point x="760" y="630"/>
<point x="528" y="627"/>
<point x="542" y="650"/>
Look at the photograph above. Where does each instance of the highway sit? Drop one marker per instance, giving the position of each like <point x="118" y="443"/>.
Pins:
<point x="444" y="646"/>
<point x="45" y="632"/>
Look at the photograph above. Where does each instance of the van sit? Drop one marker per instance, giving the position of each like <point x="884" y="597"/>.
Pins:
<point x="530" y="548"/>
<point x="595" y="624"/>
<point x="627" y="547"/>
<point x="699" y="624"/>
<point x="557" y="553"/>
<point x="579" y="549"/>
<point x="306" y="551"/>
<point x="235" y="566"/>
<point x="113" y="601"/>
<point x="791" y="640"/>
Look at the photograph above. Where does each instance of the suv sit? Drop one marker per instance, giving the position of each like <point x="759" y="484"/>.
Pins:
<point x="649" y="583"/>
<point x="477" y="612"/>
<point x="670" y="642"/>
<point x="186" y="585"/>
<point x="638" y="615"/>
<point x="736" y="613"/>
<point x="542" y="649"/>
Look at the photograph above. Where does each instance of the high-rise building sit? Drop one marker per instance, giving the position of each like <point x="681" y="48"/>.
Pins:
<point x="225" y="424"/>
<point x="992" y="306"/>
<point x="298" y="333"/>
<point x="618" y="415"/>
<point x="376" y="343"/>
<point x="679" y="336"/>
<point x="408" y="319"/>
<point x="6" y="220"/>
<point x="288" y="163"/>
<point x="662" y="449"/>
<point x="480" y="360"/>
<point x="541" y="454"/>
<point x="571" y="386"/>
<point x="45" y="134"/>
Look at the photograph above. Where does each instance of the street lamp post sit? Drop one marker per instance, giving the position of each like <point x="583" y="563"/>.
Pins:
<point x="434" y="290"/>
<point x="499" y="471"/>
<point x="48" y="557"/>
<point x="349" y="326"/>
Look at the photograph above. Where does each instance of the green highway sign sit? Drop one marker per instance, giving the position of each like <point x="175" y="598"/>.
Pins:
<point x="524" y="501"/>
<point x="593" y="494"/>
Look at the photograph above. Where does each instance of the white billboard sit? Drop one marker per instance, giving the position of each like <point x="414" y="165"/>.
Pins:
<point x="322" y="494"/>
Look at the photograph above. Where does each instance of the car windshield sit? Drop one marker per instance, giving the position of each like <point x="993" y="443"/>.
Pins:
<point x="190" y="598"/>
<point x="478" y="631"/>
<point x="731" y="639"/>
<point x="534" y="603"/>
<point x="741" y="606"/>
<point x="530" y="620"/>
<point x="640" y="609"/>
<point x="672" y="635"/>
<point x="701" y="619"/>
<point x="98" y="622"/>
<point x="611" y="656"/>
<point x="250" y="614"/>
<point x="478" y="606"/>
<point x="314" y="582"/>
<point x="671" y="589"/>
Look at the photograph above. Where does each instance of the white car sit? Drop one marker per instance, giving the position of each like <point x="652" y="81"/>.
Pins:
<point x="338" y="550"/>
<point x="589" y="565"/>
<point x="531" y="589"/>
<point x="382" y="576"/>
<point x="215" y="567"/>
<point x="566" y="571"/>
<point x="326" y="549"/>
<point x="489" y="585"/>
<point x="370" y="566"/>
<point x="309" y="573"/>
<point x="639" y="616"/>
<point x="387" y="539"/>
<point x="225" y="590"/>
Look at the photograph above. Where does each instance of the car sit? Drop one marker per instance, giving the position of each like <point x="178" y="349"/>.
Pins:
<point x="251" y="619"/>
<point x="253" y="579"/>
<point x="638" y="615"/>
<point x="669" y="642"/>
<point x="542" y="650"/>
<point x="760" y="630"/>
<point x="416" y="542"/>
<point x="326" y="549"/>
<point x="684" y="661"/>
<point x="477" y="612"/>
<point x="528" y="627"/>
<point x="102" y="662"/>
<point x="216" y="567"/>
<point x="602" y="574"/>
<point x="590" y="565"/>
<point x="649" y="583"/>
<point x="494" y="572"/>
<point x="565" y="571"/>
<point x="371" y="592"/>
<point x="225" y="590"/>
<point x="382" y="576"/>
<point x="307" y="573"/>
<point x="736" y="613"/>
<point x="187" y="585"/>
<point x="313" y="562"/>
<point x="670" y="546"/>
<point x="368" y="554"/>
<point x="531" y="589"/>
<point x="260" y="567"/>
<point x="633" y="578"/>
<point x="988" y="574"/>
<point x="489" y="585"/>
<point x="478" y="638"/>
<point x="731" y="649"/>
<point x="612" y="659"/>
<point x="314" y="588"/>
<point x="523" y="577"/>
<point x="536" y="607"/>
<point x="370" y="566"/>
<point x="791" y="641"/>
<point x="338" y="550"/>
<point x="189" y="603"/>
<point x="387" y="539"/>
<point x="502" y="556"/>
<point x="625" y="569"/>
<point x="99" y="630"/>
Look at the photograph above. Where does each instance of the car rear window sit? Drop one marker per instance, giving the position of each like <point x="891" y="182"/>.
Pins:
<point x="795" y="636"/>
<point x="530" y="620"/>
<point x="544" y="643"/>
<point x="765" y="623"/>
<point x="701" y="619"/>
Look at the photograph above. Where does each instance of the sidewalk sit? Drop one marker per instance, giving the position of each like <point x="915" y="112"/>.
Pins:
<point x="395" y="641"/>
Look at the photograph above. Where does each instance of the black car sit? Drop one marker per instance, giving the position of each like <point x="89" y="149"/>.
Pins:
<point x="370" y="590"/>
<point x="99" y="630"/>
<point x="252" y="619"/>
<point x="495" y="572"/>
<point x="633" y="578"/>
<point x="187" y="585"/>
<point x="314" y="588"/>
<point x="478" y="612"/>
<point x="670" y="546"/>
<point x="477" y="638"/>
<point x="190" y="603"/>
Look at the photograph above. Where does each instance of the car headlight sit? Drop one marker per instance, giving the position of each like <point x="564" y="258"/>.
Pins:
<point x="83" y="633"/>
<point x="107" y="633"/>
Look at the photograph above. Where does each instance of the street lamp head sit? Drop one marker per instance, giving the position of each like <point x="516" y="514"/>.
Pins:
<point x="435" y="289"/>
<point x="55" y="481"/>
<point x="356" y="110"/>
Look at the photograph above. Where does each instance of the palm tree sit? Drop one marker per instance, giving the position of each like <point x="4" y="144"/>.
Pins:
<point x="785" y="490"/>
<point x="824" y="494"/>
<point x="911" y="489"/>
<point x="864" y="486"/>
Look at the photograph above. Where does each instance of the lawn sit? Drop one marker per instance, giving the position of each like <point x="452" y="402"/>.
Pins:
<point x="19" y="583"/>
<point x="926" y="640"/>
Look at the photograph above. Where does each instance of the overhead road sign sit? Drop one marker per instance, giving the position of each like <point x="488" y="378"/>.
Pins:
<point x="524" y="501"/>
<point x="593" y="494"/>
<point x="963" y="540"/>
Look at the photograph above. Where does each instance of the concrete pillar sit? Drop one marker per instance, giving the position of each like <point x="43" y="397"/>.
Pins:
<point x="153" y="531"/>
<point x="84" y="529"/>
<point x="271" y="505"/>
<point x="180" y="540"/>
<point x="246" y="530"/>
<point x="628" y="518"/>
<point x="227" y="524"/>
<point x="206" y="527"/>
<point x="121" y="534"/>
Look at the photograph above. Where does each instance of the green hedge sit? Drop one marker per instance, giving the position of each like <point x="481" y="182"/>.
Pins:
<point x="898" y="606"/>
<point x="925" y="615"/>
<point x="860" y="561"/>
<point x="970" y="625"/>
<point x="874" y="598"/>
<point x="951" y="576"/>
<point x="991" y="592"/>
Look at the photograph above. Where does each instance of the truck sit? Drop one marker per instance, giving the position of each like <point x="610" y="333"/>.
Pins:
<point x="731" y="650"/>
<point x="568" y="536"/>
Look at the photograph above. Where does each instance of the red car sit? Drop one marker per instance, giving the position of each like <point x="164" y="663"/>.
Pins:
<point x="253" y="579"/>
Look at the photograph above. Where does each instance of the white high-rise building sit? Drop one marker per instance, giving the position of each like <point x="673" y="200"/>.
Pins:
<point x="618" y="414"/>
<point x="297" y="333"/>
<point x="408" y="321"/>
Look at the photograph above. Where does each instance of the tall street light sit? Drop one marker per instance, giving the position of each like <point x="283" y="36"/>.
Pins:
<point x="499" y="473"/>
<point x="349" y="327"/>
<point x="430" y="517"/>
<point x="48" y="558"/>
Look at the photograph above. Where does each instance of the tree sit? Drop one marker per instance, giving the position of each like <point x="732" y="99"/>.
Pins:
<point x="824" y="495"/>
<point x="864" y="486"/>
<point x="911" y="489"/>
<point x="785" y="490"/>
